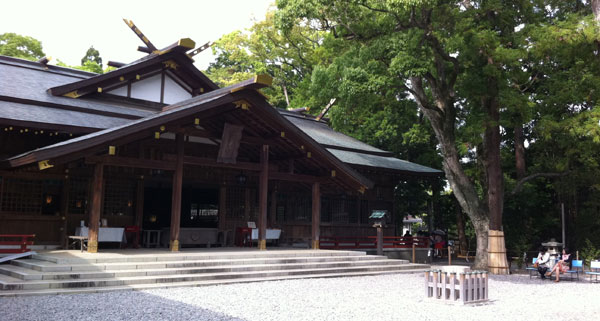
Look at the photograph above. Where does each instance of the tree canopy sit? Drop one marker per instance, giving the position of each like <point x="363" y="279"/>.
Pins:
<point x="14" y="45"/>
<point x="501" y="95"/>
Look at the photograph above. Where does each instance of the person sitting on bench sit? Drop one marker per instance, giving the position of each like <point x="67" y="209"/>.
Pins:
<point x="542" y="262"/>
<point x="561" y="266"/>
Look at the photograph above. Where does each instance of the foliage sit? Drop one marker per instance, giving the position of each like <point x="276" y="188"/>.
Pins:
<point x="264" y="49"/>
<point x="92" y="55"/>
<point x="14" y="45"/>
<point x="589" y="252"/>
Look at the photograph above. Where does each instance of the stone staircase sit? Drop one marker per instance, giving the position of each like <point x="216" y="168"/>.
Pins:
<point x="46" y="275"/>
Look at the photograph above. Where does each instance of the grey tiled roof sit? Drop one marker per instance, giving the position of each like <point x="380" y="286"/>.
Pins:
<point x="49" y="115"/>
<point x="381" y="162"/>
<point x="324" y="135"/>
<point x="27" y="80"/>
<point x="352" y="151"/>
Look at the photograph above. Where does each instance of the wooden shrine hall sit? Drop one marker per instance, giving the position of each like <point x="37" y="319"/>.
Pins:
<point x="156" y="145"/>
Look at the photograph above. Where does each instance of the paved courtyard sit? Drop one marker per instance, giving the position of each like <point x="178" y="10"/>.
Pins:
<point x="388" y="297"/>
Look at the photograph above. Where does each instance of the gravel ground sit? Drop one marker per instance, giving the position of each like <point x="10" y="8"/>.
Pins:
<point x="387" y="297"/>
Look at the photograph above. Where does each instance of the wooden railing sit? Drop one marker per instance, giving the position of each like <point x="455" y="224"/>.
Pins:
<point x="370" y="242"/>
<point x="16" y="239"/>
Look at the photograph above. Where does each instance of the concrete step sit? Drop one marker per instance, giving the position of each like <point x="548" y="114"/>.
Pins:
<point x="46" y="266"/>
<point x="135" y="287"/>
<point x="161" y="256"/>
<point x="127" y="281"/>
<point x="203" y="267"/>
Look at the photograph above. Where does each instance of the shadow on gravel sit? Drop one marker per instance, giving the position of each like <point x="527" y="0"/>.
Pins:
<point x="122" y="305"/>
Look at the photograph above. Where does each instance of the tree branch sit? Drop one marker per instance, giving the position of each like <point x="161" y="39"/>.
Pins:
<point x="525" y="179"/>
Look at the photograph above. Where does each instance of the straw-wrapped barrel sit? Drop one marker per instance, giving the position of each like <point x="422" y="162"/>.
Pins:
<point x="497" y="262"/>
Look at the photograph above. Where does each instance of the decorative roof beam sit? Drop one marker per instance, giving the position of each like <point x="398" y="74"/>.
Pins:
<point x="139" y="33"/>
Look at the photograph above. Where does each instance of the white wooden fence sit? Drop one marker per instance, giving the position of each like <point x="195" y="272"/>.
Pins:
<point x="452" y="287"/>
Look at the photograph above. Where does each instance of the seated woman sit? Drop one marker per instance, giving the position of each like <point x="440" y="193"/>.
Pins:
<point x="562" y="266"/>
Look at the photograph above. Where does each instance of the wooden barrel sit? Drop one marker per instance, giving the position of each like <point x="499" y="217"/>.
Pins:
<point x="497" y="262"/>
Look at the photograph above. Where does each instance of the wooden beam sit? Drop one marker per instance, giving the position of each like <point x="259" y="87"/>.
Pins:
<point x="249" y="140"/>
<point x="144" y="49"/>
<point x="139" y="33"/>
<point x="116" y="64"/>
<point x="203" y="161"/>
<point x="131" y="162"/>
<point x="176" y="197"/>
<point x="316" y="215"/>
<point x="263" y="187"/>
<point x="279" y="176"/>
<point x="96" y="208"/>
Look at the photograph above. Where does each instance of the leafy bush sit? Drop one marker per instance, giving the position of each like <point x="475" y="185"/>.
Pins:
<point x="589" y="252"/>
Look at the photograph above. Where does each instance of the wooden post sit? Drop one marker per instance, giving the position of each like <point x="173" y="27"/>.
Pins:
<point x="427" y="285"/>
<point x="435" y="284"/>
<point x="453" y="286"/>
<point x="485" y="284"/>
<point x="379" y="240"/>
<point x="263" y="187"/>
<point x="462" y="289"/>
<point x="139" y="205"/>
<point x="449" y="256"/>
<point x="96" y="208"/>
<point x="176" y="197"/>
<point x="414" y="254"/>
<point x="316" y="215"/>
<point x="444" y="285"/>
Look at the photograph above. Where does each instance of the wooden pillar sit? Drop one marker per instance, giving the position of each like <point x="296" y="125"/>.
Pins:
<point x="263" y="187"/>
<point x="316" y="214"/>
<point x="96" y="207"/>
<point x="176" y="197"/>
<point x="139" y="209"/>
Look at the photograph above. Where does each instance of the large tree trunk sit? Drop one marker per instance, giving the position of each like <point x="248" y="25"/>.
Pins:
<point x="495" y="188"/>
<point x="442" y="118"/>
<point x="460" y="226"/>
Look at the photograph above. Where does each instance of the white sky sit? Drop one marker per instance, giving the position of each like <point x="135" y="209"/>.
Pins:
<point x="67" y="28"/>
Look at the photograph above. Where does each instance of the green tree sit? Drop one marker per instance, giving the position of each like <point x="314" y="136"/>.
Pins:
<point x="263" y="49"/>
<point x="458" y="60"/>
<point x="92" y="55"/>
<point x="14" y="45"/>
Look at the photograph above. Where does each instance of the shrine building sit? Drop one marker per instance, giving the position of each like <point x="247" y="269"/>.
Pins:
<point x="156" y="145"/>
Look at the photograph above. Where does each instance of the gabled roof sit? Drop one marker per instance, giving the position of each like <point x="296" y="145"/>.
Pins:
<point x="172" y="57"/>
<point x="218" y="100"/>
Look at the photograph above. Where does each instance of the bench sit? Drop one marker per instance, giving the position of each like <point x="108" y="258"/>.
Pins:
<point x="81" y="239"/>
<point x="594" y="270"/>
<point x="576" y="265"/>
<point x="16" y="239"/>
<point x="532" y="269"/>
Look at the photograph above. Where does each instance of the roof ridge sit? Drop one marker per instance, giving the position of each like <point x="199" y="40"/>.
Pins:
<point x="34" y="65"/>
